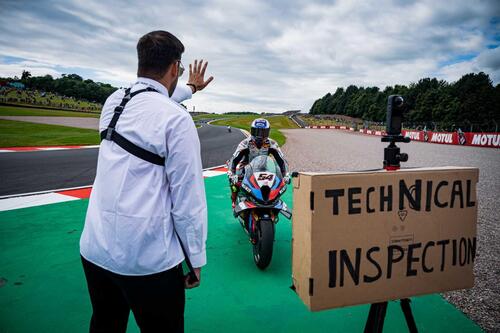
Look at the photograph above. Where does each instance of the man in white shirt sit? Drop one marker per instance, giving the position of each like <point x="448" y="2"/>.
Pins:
<point x="147" y="212"/>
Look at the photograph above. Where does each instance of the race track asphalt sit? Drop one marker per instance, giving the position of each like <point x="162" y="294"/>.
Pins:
<point x="24" y="172"/>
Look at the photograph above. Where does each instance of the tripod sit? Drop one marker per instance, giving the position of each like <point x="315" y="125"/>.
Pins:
<point x="376" y="317"/>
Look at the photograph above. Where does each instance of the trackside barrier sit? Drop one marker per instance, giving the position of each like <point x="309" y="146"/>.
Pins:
<point x="489" y="139"/>
<point x="332" y="127"/>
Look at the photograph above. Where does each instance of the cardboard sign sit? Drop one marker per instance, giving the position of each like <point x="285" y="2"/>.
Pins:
<point x="366" y="237"/>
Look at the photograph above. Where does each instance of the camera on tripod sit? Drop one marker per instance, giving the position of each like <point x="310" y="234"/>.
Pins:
<point x="396" y="110"/>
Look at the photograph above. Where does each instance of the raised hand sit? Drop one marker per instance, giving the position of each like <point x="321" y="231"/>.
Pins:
<point x="197" y="75"/>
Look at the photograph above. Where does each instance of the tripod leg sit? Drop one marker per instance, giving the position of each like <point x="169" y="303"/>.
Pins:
<point x="370" y="319"/>
<point x="376" y="318"/>
<point x="410" y="321"/>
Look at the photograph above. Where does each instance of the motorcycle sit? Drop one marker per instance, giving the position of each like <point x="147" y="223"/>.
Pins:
<point x="258" y="206"/>
<point x="229" y="129"/>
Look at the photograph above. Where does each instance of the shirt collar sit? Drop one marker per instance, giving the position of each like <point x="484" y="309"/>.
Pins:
<point x="153" y="84"/>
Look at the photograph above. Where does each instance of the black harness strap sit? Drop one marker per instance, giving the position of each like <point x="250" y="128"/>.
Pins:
<point x="110" y="133"/>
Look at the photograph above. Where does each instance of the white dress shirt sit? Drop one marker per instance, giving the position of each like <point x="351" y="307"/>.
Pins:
<point x="135" y="205"/>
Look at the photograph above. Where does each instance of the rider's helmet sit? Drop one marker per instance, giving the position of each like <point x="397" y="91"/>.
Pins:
<point x="260" y="131"/>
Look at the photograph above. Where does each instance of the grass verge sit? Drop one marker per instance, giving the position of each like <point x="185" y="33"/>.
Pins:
<point x="277" y="123"/>
<point x="24" y="134"/>
<point x="20" y="111"/>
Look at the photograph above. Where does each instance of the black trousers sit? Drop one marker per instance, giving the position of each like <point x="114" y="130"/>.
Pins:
<point x="156" y="300"/>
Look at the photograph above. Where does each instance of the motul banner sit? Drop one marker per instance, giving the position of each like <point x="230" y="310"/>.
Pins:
<point x="456" y="138"/>
<point x="491" y="140"/>
<point x="484" y="139"/>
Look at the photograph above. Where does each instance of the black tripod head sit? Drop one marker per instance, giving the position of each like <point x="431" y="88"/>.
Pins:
<point x="396" y="109"/>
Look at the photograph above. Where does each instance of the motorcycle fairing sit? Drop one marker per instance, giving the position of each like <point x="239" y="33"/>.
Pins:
<point x="277" y="189"/>
<point x="250" y="184"/>
<point x="279" y="205"/>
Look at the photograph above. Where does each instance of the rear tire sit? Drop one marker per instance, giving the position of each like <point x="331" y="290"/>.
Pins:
<point x="263" y="248"/>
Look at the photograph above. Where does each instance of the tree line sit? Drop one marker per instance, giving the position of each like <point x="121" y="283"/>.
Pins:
<point x="471" y="100"/>
<point x="70" y="85"/>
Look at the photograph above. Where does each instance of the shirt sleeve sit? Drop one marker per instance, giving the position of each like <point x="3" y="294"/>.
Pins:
<point x="181" y="93"/>
<point x="187" y="188"/>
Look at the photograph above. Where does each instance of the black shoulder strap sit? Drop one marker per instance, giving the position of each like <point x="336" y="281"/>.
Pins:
<point x="111" y="134"/>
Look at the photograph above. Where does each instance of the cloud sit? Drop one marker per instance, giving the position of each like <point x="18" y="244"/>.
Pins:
<point x="487" y="61"/>
<point x="490" y="59"/>
<point x="36" y="69"/>
<point x="265" y="55"/>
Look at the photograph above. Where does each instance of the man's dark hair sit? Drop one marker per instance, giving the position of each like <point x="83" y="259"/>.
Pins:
<point x="156" y="51"/>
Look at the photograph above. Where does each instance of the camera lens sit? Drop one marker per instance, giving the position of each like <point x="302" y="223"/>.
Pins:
<point x="398" y="101"/>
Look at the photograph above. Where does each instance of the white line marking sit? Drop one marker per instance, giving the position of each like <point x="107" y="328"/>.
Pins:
<point x="17" y="151"/>
<point x="55" y="148"/>
<point x="215" y="167"/>
<point x="210" y="173"/>
<point x="46" y="149"/>
<point x="43" y="192"/>
<point x="35" y="200"/>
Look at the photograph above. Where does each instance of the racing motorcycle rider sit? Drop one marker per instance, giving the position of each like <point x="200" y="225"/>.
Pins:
<point x="257" y="144"/>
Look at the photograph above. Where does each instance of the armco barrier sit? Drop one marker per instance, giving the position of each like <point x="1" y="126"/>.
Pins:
<point x="331" y="127"/>
<point x="490" y="140"/>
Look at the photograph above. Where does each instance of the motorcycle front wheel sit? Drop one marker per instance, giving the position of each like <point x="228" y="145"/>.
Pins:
<point x="263" y="247"/>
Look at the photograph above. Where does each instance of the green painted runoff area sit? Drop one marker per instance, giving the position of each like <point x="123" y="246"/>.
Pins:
<point x="43" y="288"/>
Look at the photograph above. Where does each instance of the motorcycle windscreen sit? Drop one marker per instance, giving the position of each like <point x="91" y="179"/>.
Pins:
<point x="265" y="169"/>
<point x="264" y="163"/>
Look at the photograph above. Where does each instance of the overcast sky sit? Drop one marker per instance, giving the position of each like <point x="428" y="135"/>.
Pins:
<point x="264" y="55"/>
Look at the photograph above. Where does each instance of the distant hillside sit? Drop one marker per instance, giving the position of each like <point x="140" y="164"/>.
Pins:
<point x="45" y="99"/>
<point x="69" y="85"/>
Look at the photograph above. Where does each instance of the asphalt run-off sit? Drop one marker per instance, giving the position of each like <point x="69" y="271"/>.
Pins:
<point x="43" y="289"/>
